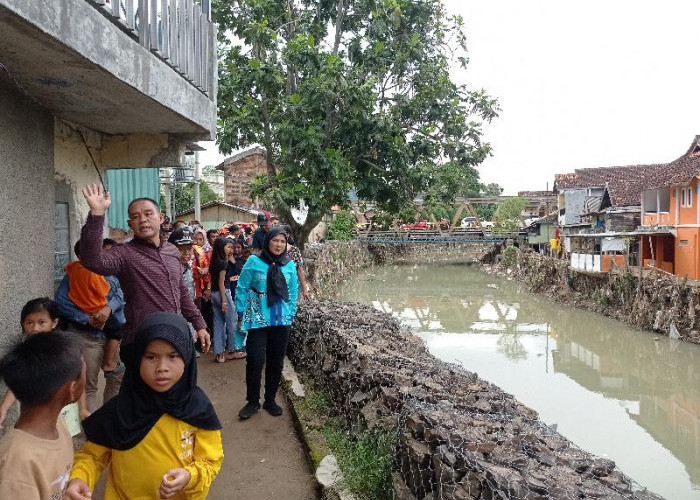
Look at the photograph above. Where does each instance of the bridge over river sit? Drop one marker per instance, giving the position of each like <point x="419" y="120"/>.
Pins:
<point x="457" y="235"/>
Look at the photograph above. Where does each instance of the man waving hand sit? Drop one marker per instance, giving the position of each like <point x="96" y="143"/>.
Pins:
<point x="148" y="267"/>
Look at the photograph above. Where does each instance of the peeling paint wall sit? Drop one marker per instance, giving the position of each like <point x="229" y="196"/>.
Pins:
<point x="74" y="168"/>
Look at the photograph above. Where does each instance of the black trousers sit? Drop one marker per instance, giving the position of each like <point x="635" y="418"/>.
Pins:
<point x="265" y="346"/>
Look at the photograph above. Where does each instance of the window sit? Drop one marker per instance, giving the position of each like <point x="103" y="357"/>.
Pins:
<point x="687" y="197"/>
<point x="62" y="252"/>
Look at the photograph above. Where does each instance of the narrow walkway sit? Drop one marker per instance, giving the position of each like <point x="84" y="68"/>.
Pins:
<point x="263" y="458"/>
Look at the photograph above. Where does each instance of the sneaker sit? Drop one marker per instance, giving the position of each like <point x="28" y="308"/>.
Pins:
<point x="272" y="408"/>
<point x="248" y="411"/>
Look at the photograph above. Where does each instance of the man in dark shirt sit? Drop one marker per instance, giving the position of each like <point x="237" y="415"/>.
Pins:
<point x="259" y="234"/>
<point x="148" y="267"/>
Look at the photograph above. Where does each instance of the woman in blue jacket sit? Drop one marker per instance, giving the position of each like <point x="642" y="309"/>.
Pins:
<point x="266" y="302"/>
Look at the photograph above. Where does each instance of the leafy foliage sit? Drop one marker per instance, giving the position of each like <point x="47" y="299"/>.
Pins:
<point x="508" y="212"/>
<point x="342" y="227"/>
<point x="509" y="257"/>
<point x="182" y="196"/>
<point x="349" y="94"/>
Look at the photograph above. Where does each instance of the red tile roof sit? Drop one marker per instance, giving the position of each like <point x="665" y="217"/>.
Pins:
<point x="624" y="184"/>
<point x="682" y="170"/>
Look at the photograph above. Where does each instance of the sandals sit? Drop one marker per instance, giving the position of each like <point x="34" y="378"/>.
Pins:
<point x="235" y="355"/>
<point x="221" y="358"/>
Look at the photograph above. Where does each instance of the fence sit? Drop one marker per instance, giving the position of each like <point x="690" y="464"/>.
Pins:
<point x="179" y="32"/>
<point x="401" y="236"/>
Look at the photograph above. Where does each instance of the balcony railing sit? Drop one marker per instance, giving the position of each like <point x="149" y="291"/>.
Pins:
<point x="180" y="32"/>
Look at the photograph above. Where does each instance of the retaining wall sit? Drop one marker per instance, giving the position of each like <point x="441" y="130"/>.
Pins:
<point x="460" y="437"/>
<point x="661" y="303"/>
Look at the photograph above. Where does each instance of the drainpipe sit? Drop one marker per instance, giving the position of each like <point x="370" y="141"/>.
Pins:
<point x="197" y="201"/>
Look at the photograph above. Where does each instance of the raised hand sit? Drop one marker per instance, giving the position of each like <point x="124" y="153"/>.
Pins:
<point x="97" y="199"/>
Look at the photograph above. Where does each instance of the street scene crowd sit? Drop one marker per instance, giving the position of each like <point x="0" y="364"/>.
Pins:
<point x="141" y="312"/>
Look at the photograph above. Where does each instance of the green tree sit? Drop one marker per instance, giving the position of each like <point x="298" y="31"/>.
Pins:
<point x="349" y="93"/>
<point x="508" y="212"/>
<point x="182" y="196"/>
<point x="486" y="211"/>
<point x="342" y="227"/>
<point x="491" y="189"/>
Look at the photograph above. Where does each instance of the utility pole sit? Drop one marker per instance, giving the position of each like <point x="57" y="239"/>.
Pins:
<point x="197" y="200"/>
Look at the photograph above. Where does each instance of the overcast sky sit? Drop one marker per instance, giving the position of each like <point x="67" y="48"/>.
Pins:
<point x="581" y="84"/>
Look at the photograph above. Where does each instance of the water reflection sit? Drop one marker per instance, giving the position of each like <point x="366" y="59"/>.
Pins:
<point x="614" y="391"/>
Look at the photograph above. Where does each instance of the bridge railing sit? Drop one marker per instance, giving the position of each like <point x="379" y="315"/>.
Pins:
<point x="402" y="236"/>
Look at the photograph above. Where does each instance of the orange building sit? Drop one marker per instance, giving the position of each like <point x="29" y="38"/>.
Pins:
<point x="670" y="232"/>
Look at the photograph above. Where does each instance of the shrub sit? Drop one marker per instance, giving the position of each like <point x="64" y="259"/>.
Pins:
<point x="342" y="227"/>
<point x="509" y="256"/>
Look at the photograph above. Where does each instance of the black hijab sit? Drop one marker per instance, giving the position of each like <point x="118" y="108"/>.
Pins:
<point x="125" y="420"/>
<point x="276" y="284"/>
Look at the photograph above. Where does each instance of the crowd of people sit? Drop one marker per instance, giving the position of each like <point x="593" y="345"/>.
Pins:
<point x="140" y="312"/>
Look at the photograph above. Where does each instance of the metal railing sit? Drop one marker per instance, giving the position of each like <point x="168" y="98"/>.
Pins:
<point x="180" y="32"/>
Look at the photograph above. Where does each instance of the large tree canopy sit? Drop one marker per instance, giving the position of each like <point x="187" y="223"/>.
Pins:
<point x="349" y="94"/>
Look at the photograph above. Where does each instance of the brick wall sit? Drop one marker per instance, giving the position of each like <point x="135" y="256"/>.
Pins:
<point x="239" y="175"/>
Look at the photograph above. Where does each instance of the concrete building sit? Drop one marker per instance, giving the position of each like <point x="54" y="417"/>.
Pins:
<point x="215" y="179"/>
<point x="87" y="86"/>
<point x="240" y="171"/>
<point x="670" y="232"/>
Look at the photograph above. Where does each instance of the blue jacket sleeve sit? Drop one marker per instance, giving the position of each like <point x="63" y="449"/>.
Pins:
<point x="115" y="299"/>
<point x="293" y="288"/>
<point x="66" y="309"/>
<point x="243" y="286"/>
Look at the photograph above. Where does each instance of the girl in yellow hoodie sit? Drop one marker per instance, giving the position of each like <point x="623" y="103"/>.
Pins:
<point x="160" y="435"/>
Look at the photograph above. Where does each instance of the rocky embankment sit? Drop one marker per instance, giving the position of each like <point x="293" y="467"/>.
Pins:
<point x="459" y="437"/>
<point x="661" y="303"/>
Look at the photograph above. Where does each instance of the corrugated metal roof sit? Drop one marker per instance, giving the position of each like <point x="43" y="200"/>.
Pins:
<point x="127" y="184"/>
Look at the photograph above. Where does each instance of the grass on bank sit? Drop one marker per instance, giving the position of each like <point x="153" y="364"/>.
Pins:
<point x="365" y="460"/>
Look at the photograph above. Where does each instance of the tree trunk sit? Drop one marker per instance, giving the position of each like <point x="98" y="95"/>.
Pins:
<point x="300" y="232"/>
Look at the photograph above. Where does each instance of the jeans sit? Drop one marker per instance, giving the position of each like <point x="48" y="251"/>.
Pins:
<point x="266" y="346"/>
<point x="227" y="337"/>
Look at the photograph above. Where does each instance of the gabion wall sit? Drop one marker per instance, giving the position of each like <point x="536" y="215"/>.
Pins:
<point x="459" y="437"/>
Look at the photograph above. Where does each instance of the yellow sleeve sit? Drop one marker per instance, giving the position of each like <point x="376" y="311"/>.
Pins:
<point x="208" y="455"/>
<point x="89" y="462"/>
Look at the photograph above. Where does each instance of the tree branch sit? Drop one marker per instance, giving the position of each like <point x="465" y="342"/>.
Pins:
<point x="340" y="17"/>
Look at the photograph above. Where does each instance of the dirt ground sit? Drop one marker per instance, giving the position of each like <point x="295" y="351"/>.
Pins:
<point x="263" y="458"/>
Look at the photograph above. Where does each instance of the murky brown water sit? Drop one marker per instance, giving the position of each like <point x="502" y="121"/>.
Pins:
<point x="620" y="393"/>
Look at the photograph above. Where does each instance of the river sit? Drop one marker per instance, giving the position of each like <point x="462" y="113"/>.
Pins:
<point x="624" y="394"/>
